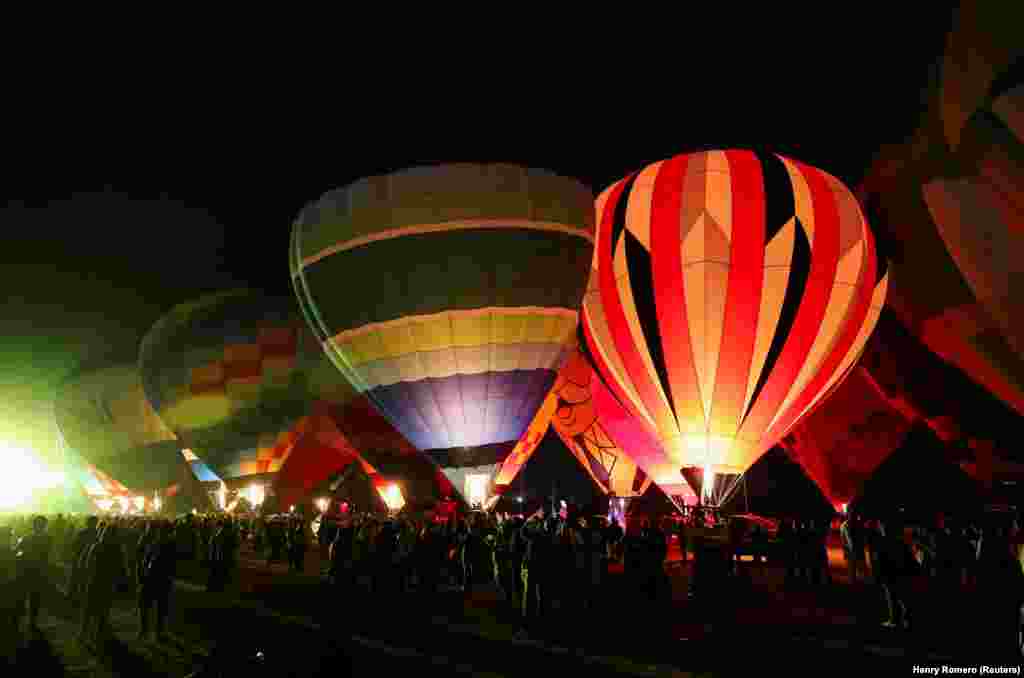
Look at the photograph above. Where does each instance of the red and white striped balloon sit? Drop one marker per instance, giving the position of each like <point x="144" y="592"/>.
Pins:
<point x="731" y="291"/>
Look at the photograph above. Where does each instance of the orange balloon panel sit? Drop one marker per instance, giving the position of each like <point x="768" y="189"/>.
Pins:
<point x="525" y="446"/>
<point x="730" y="292"/>
<point x="575" y="420"/>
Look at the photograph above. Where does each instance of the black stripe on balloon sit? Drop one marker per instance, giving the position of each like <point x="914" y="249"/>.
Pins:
<point x="780" y="205"/>
<point x="638" y="480"/>
<point x="641" y="281"/>
<point x="584" y="348"/>
<point x="619" y="218"/>
<point x="799" y="272"/>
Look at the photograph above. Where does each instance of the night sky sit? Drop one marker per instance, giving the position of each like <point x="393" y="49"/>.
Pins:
<point x="128" y="201"/>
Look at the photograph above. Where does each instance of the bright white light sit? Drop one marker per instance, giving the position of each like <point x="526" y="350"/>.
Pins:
<point x="322" y="504"/>
<point x="392" y="496"/>
<point x="255" y="494"/>
<point x="708" y="482"/>
<point x="520" y="500"/>
<point x="476" y="488"/>
<point x="844" y="507"/>
<point x="105" y="504"/>
<point x="222" y="495"/>
<point x="22" y="476"/>
<point x="126" y="504"/>
<point x="156" y="502"/>
<point x="140" y="503"/>
<point x="292" y="509"/>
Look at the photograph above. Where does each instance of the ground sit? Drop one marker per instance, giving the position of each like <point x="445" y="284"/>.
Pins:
<point x="302" y="629"/>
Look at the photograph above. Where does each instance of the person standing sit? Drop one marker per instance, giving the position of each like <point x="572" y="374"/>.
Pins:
<point x="8" y="594"/>
<point x="148" y="537"/>
<point x="894" y="561"/>
<point x="597" y="563"/>
<point x="105" y="568"/>
<point x="32" y="559"/>
<point x="157" y="579"/>
<point x="537" y="541"/>
<point x="296" y="547"/>
<point x="85" y="538"/>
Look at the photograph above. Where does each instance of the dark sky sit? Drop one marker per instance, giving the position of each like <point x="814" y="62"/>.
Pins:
<point x="130" y="198"/>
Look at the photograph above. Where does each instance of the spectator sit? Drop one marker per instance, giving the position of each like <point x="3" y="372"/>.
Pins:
<point x="33" y="569"/>
<point x="105" y="571"/>
<point x="157" y="578"/>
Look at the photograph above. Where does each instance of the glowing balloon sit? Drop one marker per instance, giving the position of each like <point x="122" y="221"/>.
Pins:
<point x="107" y="430"/>
<point x="730" y="292"/>
<point x="244" y="384"/>
<point x="569" y="408"/>
<point x="448" y="295"/>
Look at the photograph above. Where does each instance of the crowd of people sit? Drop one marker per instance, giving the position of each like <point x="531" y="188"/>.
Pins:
<point x="952" y="556"/>
<point x="532" y="562"/>
<point x="543" y="566"/>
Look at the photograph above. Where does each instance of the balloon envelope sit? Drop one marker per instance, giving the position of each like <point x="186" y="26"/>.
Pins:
<point x="569" y="409"/>
<point x="225" y="374"/>
<point x="730" y="292"/>
<point x="448" y="295"/>
<point x="113" y="441"/>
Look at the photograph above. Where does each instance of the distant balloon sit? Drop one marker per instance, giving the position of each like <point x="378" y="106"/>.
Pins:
<point x="448" y="295"/>
<point x="731" y="292"/>
<point x="953" y="190"/>
<point x="245" y="386"/>
<point x="224" y="374"/>
<point x="113" y="441"/>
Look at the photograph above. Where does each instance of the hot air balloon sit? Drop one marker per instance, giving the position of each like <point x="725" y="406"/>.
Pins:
<point x="844" y="441"/>
<point x="569" y="409"/>
<point x="983" y="44"/>
<point x="335" y="436"/>
<point x="731" y="291"/>
<point x="114" y="444"/>
<point x="449" y="296"/>
<point x="223" y="374"/>
<point x="576" y="422"/>
<point x="980" y="214"/>
<point x="953" y="190"/>
<point x="243" y="384"/>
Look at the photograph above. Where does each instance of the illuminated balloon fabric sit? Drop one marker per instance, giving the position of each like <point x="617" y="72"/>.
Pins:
<point x="967" y="147"/>
<point x="318" y="450"/>
<point x="333" y="437"/>
<point x="898" y="383"/>
<point x="449" y="295"/>
<point x="242" y="381"/>
<point x="730" y="291"/>
<point x="526" y="445"/>
<point x="843" y="441"/>
<point x="392" y="458"/>
<point x="225" y="374"/>
<point x="576" y="422"/>
<point x="106" y="424"/>
<point x="944" y="314"/>
<point x="569" y="408"/>
<point x="199" y="468"/>
<point x="102" y="412"/>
